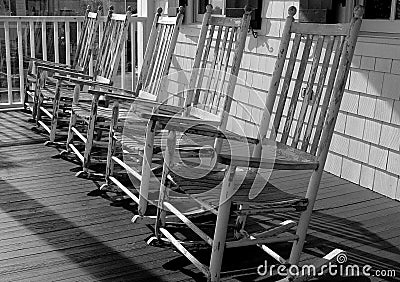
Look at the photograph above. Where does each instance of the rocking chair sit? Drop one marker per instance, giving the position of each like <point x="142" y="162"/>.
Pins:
<point x="304" y="99"/>
<point x="219" y="50"/>
<point x="45" y="89"/>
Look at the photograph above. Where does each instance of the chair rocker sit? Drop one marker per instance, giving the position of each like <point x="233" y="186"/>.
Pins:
<point x="304" y="105"/>
<point x="45" y="88"/>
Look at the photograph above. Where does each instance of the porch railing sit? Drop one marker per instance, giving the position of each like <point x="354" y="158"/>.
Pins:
<point x="54" y="38"/>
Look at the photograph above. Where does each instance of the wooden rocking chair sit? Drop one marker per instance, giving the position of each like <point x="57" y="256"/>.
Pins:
<point x="219" y="50"/>
<point x="156" y="64"/>
<point x="43" y="89"/>
<point x="107" y="62"/>
<point x="299" y="140"/>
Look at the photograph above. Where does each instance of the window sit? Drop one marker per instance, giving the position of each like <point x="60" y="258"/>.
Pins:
<point x="382" y="9"/>
<point x="232" y="8"/>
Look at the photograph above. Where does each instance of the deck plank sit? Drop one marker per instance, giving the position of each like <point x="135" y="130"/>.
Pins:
<point x="56" y="227"/>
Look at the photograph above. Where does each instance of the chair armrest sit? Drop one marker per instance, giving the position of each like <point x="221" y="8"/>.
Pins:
<point x="47" y="63"/>
<point x="178" y="121"/>
<point x="81" y="81"/>
<point x="114" y="96"/>
<point x="63" y="71"/>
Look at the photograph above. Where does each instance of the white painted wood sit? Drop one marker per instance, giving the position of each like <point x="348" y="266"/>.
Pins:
<point x="141" y="46"/>
<point x="186" y="253"/>
<point x="123" y="65"/>
<point x="8" y="61"/>
<point x="44" y="40"/>
<point x="20" y="62"/>
<point x="67" y="44"/>
<point x="79" y="30"/>
<point x="32" y="39"/>
<point x="55" y="40"/>
<point x="133" y="54"/>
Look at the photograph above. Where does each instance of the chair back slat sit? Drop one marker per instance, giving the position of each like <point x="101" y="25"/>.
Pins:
<point x="111" y="45"/>
<point x="221" y="67"/>
<point x="161" y="59"/>
<point x="230" y="36"/>
<point x="197" y="75"/>
<point x="298" y="84"/>
<point x="324" y="108"/>
<point x="158" y="55"/>
<point x="215" y="81"/>
<point x="318" y="68"/>
<point x="159" y="44"/>
<point x="86" y="40"/>
<point x="318" y="92"/>
<point x="308" y="92"/>
<point x="287" y="80"/>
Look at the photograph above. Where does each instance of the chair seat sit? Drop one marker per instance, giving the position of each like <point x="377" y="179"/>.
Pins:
<point x="132" y="133"/>
<point x="83" y="110"/>
<point x="206" y="186"/>
<point x="67" y="93"/>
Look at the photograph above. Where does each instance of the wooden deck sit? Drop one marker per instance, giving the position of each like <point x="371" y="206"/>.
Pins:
<point x="56" y="227"/>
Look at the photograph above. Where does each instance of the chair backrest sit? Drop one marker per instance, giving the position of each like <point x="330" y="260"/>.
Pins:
<point x="86" y="39"/>
<point x="110" y="47"/>
<point x="158" y="55"/>
<point x="216" y="66"/>
<point x="309" y="77"/>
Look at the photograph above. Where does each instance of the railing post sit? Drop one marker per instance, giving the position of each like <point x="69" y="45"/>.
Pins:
<point x="145" y="9"/>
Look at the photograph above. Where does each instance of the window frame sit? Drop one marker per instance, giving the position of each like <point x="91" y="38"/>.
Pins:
<point x="198" y="18"/>
<point x="381" y="27"/>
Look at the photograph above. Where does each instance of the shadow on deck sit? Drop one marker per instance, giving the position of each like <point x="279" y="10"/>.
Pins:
<point x="54" y="227"/>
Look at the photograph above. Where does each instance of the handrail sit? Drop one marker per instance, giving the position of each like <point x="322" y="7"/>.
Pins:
<point x="41" y="37"/>
<point x="135" y="18"/>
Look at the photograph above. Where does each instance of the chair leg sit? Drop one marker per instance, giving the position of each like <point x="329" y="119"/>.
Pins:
<point x="221" y="225"/>
<point x="305" y="217"/>
<point x="89" y="138"/>
<point x="240" y="222"/>
<point x="111" y="146"/>
<point x="56" y="105"/>
<point x="163" y="196"/>
<point x="146" y="167"/>
<point x="35" y="98"/>
<point x="70" y="137"/>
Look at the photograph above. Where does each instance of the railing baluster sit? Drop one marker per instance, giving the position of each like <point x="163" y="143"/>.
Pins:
<point x="133" y="54"/>
<point x="55" y="40"/>
<point x="78" y="30"/>
<point x="20" y="62"/>
<point x="32" y="41"/>
<point x="141" y="28"/>
<point x="8" y="60"/>
<point x="44" y="41"/>
<point x="123" y="64"/>
<point x="67" y="44"/>
<point x="38" y="37"/>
